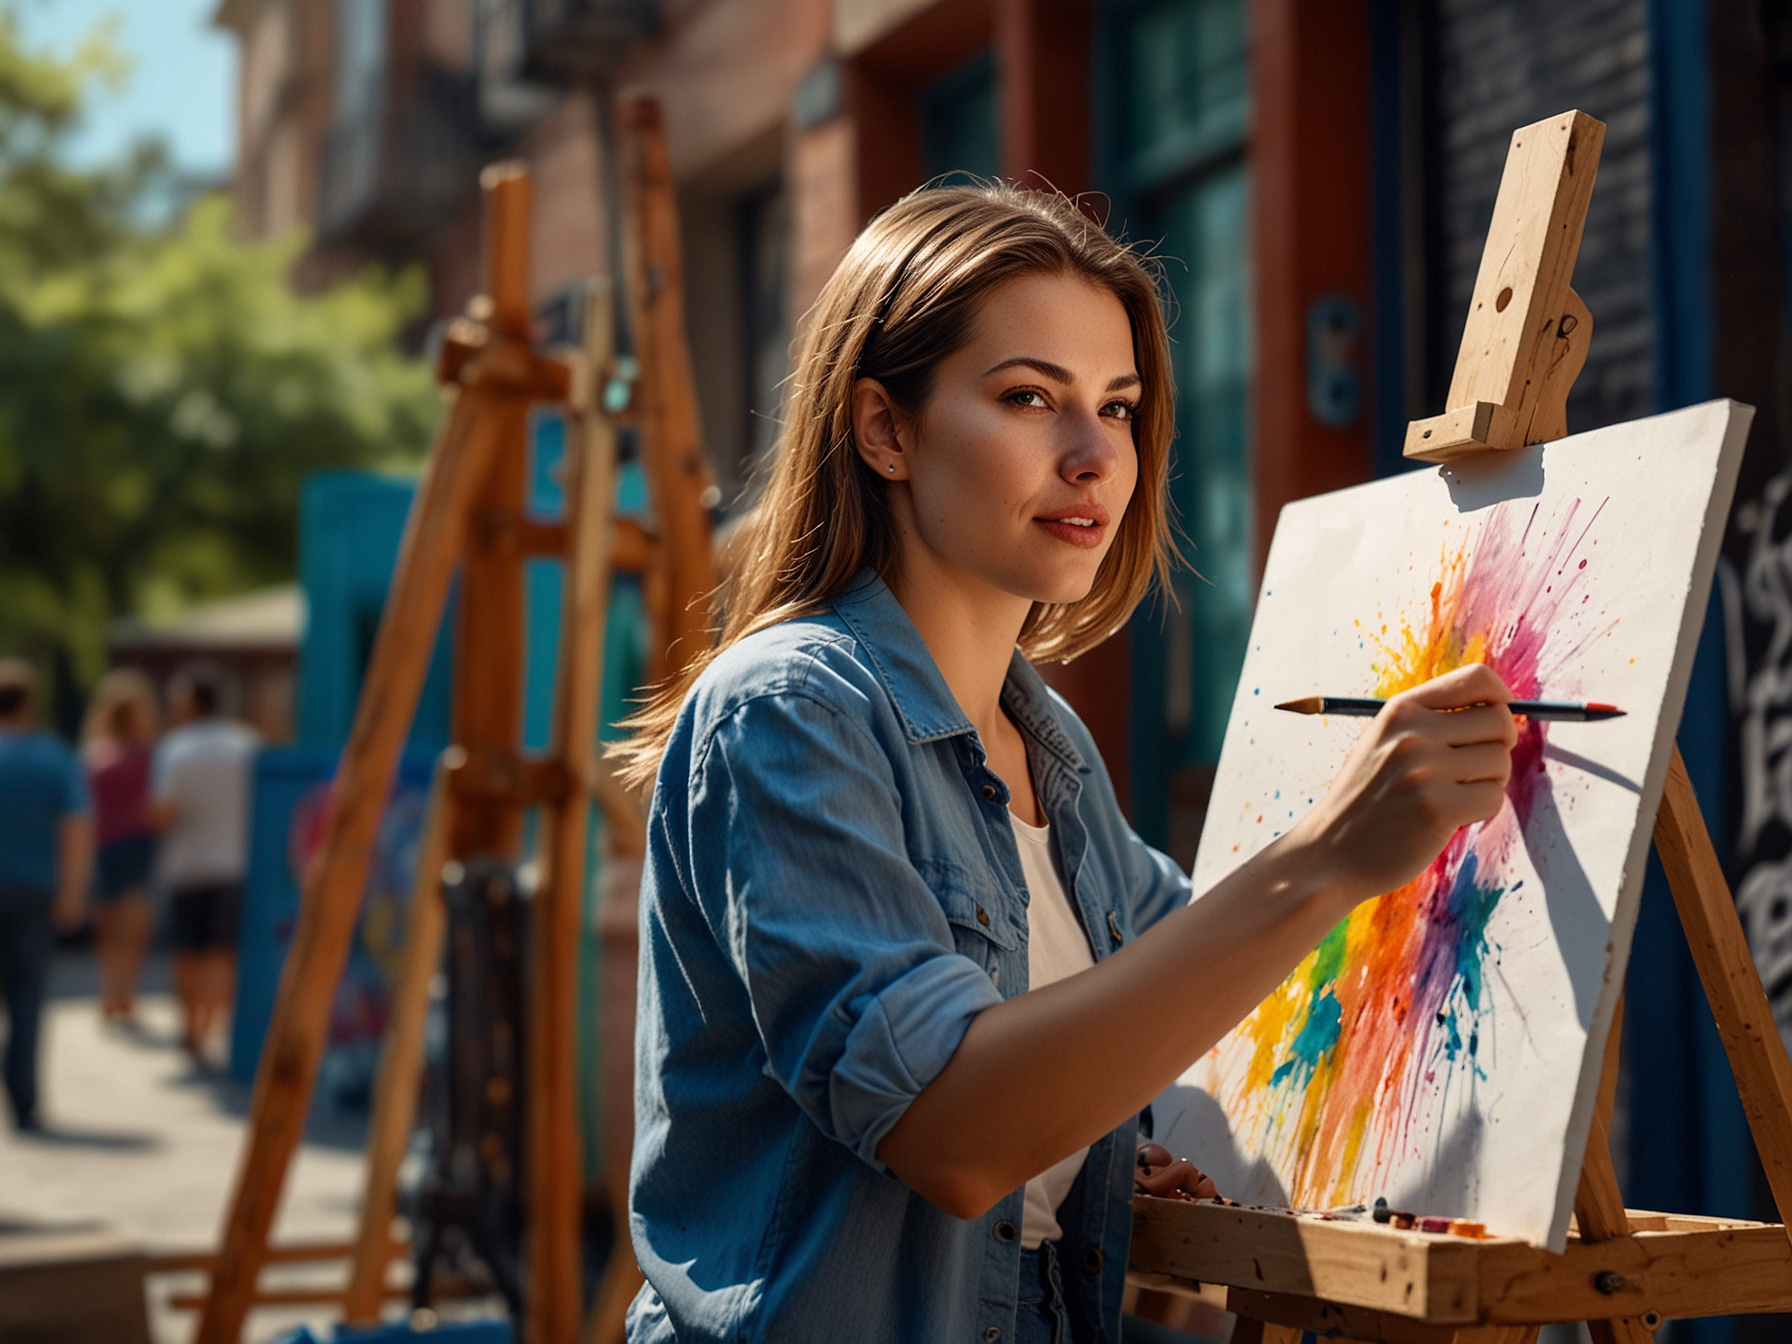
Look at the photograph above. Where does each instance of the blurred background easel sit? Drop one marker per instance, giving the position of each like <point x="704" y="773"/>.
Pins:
<point x="469" y="511"/>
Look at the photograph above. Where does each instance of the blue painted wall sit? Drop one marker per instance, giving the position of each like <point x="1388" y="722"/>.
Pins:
<point x="350" y="523"/>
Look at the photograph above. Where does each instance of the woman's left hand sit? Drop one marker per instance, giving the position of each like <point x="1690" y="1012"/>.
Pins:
<point x="1169" y="1177"/>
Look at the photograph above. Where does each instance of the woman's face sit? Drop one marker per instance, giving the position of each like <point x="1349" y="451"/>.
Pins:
<point x="1019" y="467"/>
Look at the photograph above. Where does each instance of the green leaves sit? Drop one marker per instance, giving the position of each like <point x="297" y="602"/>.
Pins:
<point x="163" y="391"/>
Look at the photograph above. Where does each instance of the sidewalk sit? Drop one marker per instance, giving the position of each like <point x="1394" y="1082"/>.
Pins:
<point x="140" y="1143"/>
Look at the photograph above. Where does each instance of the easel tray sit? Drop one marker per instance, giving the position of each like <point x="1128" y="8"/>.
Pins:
<point x="1367" y="1281"/>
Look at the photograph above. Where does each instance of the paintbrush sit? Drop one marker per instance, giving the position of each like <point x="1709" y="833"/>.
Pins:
<point x="1367" y="707"/>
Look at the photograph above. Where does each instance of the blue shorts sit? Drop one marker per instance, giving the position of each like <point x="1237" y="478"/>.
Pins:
<point x="123" y="866"/>
<point x="203" y="918"/>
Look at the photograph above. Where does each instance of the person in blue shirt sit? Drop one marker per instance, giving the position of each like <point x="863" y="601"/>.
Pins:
<point x="908" y="977"/>
<point x="46" y="847"/>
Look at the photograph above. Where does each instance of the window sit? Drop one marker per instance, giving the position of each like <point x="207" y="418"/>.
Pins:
<point x="351" y="167"/>
<point x="1175" y="158"/>
<point x="360" y="59"/>
<point x="764" y="233"/>
<point x="960" y="134"/>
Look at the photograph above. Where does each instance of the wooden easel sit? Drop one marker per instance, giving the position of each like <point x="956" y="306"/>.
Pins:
<point x="1623" y="1271"/>
<point x="469" y="512"/>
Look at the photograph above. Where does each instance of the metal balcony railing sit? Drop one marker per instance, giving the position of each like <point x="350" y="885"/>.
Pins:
<point x="583" y="39"/>
<point x="390" y="176"/>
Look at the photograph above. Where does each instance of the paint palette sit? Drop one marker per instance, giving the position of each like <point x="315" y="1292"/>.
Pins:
<point x="1442" y="1046"/>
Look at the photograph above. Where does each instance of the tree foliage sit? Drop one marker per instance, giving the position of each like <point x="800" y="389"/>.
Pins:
<point x="163" y="392"/>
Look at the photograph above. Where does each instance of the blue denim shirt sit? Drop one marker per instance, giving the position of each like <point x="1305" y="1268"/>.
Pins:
<point x="832" y="893"/>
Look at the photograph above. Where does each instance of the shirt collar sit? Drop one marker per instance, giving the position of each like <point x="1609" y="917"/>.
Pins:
<point x="1029" y="704"/>
<point x="923" y="701"/>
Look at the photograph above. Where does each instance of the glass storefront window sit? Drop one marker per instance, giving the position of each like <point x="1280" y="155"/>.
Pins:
<point x="960" y="131"/>
<point x="1176" y="164"/>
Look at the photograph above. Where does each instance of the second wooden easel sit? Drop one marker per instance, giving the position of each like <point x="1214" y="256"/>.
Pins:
<point x="1624" y="1271"/>
<point x="469" y="512"/>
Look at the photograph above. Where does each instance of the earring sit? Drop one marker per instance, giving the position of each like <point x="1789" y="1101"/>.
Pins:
<point x="890" y="467"/>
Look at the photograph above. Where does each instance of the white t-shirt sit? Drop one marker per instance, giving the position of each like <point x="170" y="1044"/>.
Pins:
<point x="1056" y="947"/>
<point x="202" y="770"/>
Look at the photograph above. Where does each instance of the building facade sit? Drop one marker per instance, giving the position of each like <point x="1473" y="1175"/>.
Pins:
<point x="1316" y="178"/>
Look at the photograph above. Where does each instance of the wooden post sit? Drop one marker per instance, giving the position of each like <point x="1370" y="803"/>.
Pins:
<point x="488" y="664"/>
<point x="1527" y="332"/>
<point x="433" y="539"/>
<point x="678" y="474"/>
<point x="401" y="1064"/>
<point x="508" y="198"/>
<point x="556" y="1185"/>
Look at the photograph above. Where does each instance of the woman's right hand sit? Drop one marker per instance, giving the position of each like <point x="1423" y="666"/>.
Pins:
<point x="1436" y="758"/>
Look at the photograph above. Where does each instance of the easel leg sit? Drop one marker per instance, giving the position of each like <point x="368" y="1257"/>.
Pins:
<point x="401" y="1064"/>
<point x="434" y="539"/>
<point x="1599" y="1204"/>
<point x="617" y="932"/>
<point x="1732" y="984"/>
<point x="557" y="1179"/>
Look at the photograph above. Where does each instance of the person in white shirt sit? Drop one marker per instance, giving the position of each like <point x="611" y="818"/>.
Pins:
<point x="199" y="787"/>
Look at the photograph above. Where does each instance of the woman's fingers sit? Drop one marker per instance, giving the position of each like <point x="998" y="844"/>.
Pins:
<point x="1474" y="684"/>
<point x="1160" y="1174"/>
<point x="1484" y="723"/>
<point x="1437" y="758"/>
<point x="1455" y="727"/>
<point x="1480" y="761"/>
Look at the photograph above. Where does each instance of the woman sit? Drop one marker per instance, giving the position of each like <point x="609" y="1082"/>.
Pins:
<point x="118" y="740"/>
<point x="907" y="976"/>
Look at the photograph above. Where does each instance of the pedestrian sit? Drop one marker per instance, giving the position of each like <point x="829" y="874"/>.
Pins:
<point x="118" y="742"/>
<point x="199" y="790"/>
<point x="908" y="976"/>
<point x="46" y="862"/>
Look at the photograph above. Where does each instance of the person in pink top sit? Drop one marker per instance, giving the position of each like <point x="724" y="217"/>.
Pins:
<point x="118" y="744"/>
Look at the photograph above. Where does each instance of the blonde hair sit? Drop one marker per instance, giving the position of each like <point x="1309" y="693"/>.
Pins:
<point x="123" y="708"/>
<point x="904" y="298"/>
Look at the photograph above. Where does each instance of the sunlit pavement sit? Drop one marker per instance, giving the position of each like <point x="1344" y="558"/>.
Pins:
<point x="140" y="1143"/>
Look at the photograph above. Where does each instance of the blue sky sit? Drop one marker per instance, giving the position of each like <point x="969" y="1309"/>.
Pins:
<point x="181" y="84"/>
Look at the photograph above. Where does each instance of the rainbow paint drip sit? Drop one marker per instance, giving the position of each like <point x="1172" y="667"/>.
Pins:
<point x="1335" y="1074"/>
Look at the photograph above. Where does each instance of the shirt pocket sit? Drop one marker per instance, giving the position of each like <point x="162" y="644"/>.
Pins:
<point x="982" y="927"/>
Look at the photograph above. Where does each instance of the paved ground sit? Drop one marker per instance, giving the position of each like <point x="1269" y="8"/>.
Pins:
<point x="140" y="1143"/>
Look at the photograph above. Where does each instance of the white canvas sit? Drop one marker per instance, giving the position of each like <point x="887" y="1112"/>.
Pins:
<point x="1442" y="1049"/>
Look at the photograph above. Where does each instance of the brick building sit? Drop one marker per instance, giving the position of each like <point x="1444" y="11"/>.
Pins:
<point x="1318" y="176"/>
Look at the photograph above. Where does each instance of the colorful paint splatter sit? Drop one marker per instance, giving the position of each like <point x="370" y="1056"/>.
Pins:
<point x="1334" y="1071"/>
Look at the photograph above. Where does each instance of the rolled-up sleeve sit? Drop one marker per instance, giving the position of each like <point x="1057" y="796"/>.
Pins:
<point x="801" y="870"/>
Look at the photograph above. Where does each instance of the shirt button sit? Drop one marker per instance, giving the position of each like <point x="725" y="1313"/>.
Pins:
<point x="993" y="1334"/>
<point x="983" y="917"/>
<point x="1004" y="1231"/>
<point x="1092" y="1260"/>
<point x="1114" y="929"/>
<point x="989" y="791"/>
